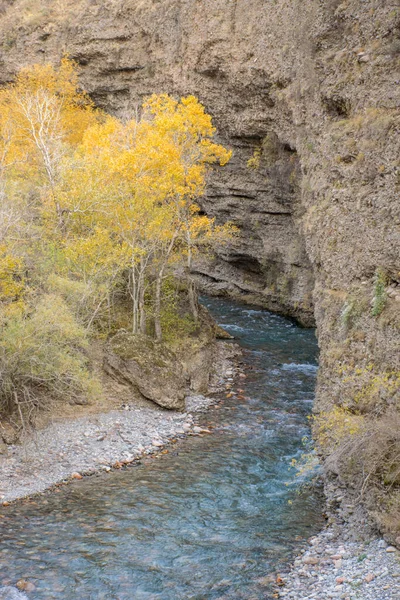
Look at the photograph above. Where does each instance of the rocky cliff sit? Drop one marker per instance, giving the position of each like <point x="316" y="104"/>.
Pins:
<point x="310" y="92"/>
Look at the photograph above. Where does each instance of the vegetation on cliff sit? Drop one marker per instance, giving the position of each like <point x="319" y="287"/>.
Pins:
<point x="97" y="215"/>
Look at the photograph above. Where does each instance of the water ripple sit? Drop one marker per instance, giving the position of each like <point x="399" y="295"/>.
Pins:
<point x="207" y="521"/>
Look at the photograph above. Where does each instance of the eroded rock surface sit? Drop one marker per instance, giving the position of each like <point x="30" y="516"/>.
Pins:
<point x="148" y="366"/>
<point x="311" y="87"/>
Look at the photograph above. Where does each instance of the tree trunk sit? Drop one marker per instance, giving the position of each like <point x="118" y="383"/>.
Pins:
<point x="142" y="311"/>
<point x="135" y="298"/>
<point x="190" y="283"/>
<point x="194" y="307"/>
<point x="157" y="308"/>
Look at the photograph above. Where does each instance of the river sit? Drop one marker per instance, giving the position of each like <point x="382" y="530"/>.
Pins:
<point x="208" y="521"/>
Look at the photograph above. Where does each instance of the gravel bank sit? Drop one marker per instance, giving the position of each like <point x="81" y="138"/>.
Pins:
<point x="333" y="567"/>
<point x="74" y="448"/>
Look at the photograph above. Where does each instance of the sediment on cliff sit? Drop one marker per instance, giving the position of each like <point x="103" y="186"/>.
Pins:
<point x="309" y="94"/>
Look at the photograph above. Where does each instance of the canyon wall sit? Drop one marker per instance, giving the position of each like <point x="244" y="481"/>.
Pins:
<point x="310" y="92"/>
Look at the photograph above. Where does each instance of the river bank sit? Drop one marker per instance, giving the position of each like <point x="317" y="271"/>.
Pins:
<point x="332" y="565"/>
<point x="335" y="565"/>
<point x="71" y="449"/>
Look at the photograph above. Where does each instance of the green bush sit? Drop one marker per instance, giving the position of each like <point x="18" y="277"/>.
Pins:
<point x="42" y="359"/>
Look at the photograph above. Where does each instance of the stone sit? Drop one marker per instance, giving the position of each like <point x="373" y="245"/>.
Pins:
<point x="25" y="586"/>
<point x="197" y="429"/>
<point x="149" y="367"/>
<point x="266" y="581"/>
<point x="391" y="549"/>
<point x="222" y="334"/>
<point x="310" y="560"/>
<point x="338" y="563"/>
<point x="369" y="577"/>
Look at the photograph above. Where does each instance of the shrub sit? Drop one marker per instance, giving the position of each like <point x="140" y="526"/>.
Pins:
<point x="365" y="457"/>
<point x="41" y="358"/>
<point x="333" y="427"/>
<point x="380" y="296"/>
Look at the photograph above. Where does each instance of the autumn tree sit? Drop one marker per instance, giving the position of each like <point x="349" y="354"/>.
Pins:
<point x="45" y="114"/>
<point x="150" y="172"/>
<point x="93" y="211"/>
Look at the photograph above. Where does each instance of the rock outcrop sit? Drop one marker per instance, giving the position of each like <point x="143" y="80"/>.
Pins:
<point x="149" y="367"/>
<point x="310" y="92"/>
<point x="165" y="372"/>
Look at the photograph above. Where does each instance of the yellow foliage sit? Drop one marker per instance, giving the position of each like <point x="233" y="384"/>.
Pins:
<point x="332" y="427"/>
<point x="11" y="276"/>
<point x="43" y="114"/>
<point x="105" y="205"/>
<point x="369" y="387"/>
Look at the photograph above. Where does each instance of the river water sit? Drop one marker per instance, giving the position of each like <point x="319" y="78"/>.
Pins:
<point x="208" y="521"/>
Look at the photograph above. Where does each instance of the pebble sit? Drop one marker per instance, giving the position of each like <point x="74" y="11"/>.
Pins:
<point x="66" y="449"/>
<point x="25" y="586"/>
<point x="197" y="429"/>
<point x="347" y="569"/>
<point x="338" y="563"/>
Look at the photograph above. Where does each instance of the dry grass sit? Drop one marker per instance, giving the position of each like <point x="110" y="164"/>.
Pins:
<point x="37" y="13"/>
<point x="369" y="461"/>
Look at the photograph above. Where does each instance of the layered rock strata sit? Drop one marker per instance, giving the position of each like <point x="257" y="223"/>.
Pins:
<point x="309" y="93"/>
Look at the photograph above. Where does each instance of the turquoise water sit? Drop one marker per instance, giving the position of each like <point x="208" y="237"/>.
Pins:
<point x="206" y="522"/>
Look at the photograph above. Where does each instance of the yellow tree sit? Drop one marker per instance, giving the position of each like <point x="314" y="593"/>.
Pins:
<point x="149" y="173"/>
<point x="49" y="114"/>
<point x="187" y="150"/>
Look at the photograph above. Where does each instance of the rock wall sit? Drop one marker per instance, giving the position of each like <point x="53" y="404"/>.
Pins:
<point x="310" y="90"/>
<point x="223" y="53"/>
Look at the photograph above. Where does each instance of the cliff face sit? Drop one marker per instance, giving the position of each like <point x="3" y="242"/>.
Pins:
<point x="223" y="53"/>
<point x="310" y="90"/>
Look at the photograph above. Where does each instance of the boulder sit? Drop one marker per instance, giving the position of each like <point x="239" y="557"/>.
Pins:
<point x="148" y="366"/>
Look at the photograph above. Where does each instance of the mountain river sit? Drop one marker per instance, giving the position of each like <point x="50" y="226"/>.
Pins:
<point x="208" y="521"/>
